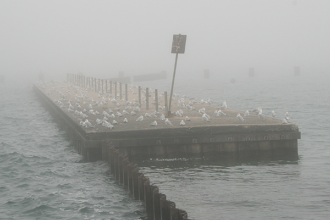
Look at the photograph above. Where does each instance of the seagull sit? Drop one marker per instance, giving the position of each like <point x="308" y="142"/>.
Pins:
<point x="125" y="112"/>
<point x="168" y="122"/>
<point x="114" y="122"/>
<point x="182" y="123"/>
<point x="221" y="112"/>
<point x="240" y="117"/>
<point x="284" y="121"/>
<point x="133" y="113"/>
<point x="187" y="118"/>
<point x="125" y="120"/>
<point x="162" y="117"/>
<point x="88" y="123"/>
<point x="148" y="115"/>
<point x="246" y="113"/>
<point x="140" y="118"/>
<point x="261" y="115"/>
<point x="287" y="116"/>
<point x="98" y="121"/>
<point x="154" y="123"/>
<point x="205" y="118"/>
<point x="177" y="113"/>
<point x="273" y="114"/>
<point x="224" y="105"/>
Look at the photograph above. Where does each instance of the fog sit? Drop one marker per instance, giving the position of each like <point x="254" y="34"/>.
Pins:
<point x="101" y="38"/>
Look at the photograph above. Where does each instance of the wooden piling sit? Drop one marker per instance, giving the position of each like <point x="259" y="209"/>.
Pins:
<point x="126" y="93"/>
<point x="116" y="90"/>
<point x="156" y="99"/>
<point x="140" y="95"/>
<point x="166" y="107"/>
<point x="120" y="91"/>
<point x="110" y="87"/>
<point x="147" y="98"/>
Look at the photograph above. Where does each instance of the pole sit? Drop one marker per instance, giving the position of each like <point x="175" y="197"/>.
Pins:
<point x="169" y="106"/>
<point x="126" y="95"/>
<point x="156" y="99"/>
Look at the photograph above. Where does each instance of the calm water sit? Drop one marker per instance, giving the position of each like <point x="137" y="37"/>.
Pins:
<point x="42" y="177"/>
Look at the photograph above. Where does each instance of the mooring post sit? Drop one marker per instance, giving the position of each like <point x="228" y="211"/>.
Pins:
<point x="156" y="203"/>
<point x="106" y="86"/>
<point x="102" y="86"/>
<point x="156" y="99"/>
<point x="120" y="91"/>
<point x="116" y="90"/>
<point x="126" y="95"/>
<point x="95" y="85"/>
<point x="99" y="88"/>
<point x="140" y="95"/>
<point x="165" y="98"/>
<point x="135" y="174"/>
<point x="147" y="98"/>
<point x="110" y="87"/>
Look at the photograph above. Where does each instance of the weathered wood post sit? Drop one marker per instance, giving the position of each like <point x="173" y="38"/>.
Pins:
<point x="164" y="210"/>
<point x="130" y="177"/>
<point x="110" y="87"/>
<point x="102" y="86"/>
<point x="141" y="180"/>
<point x="120" y="91"/>
<point x="147" y="98"/>
<point x="106" y="86"/>
<point x="126" y="93"/>
<point x="140" y="95"/>
<point x="148" y="197"/>
<point x="120" y="168"/>
<point x="166" y="107"/>
<point x="116" y="90"/>
<point x="156" y="99"/>
<point x="156" y="203"/>
<point x="135" y="173"/>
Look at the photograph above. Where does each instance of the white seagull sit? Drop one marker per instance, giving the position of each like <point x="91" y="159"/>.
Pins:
<point x="240" y="117"/>
<point x="168" y="122"/>
<point x="140" y="118"/>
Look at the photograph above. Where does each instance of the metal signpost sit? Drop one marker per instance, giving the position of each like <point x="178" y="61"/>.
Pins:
<point x="178" y="46"/>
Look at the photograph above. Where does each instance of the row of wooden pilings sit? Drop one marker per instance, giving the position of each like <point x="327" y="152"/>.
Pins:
<point x="106" y="86"/>
<point x="128" y="175"/>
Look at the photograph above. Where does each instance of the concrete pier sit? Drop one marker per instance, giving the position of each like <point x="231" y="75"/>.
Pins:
<point x="222" y="136"/>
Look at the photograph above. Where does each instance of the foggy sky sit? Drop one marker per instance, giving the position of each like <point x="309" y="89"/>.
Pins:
<point x="100" y="38"/>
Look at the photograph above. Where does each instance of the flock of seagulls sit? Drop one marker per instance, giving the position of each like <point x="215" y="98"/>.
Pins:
<point x="86" y="108"/>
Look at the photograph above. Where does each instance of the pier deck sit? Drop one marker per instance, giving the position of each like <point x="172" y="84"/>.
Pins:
<point x="220" y="135"/>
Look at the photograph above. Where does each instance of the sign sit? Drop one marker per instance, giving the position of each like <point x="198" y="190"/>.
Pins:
<point x="179" y="43"/>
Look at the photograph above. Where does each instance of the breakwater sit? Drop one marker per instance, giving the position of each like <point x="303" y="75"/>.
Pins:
<point x="221" y="137"/>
